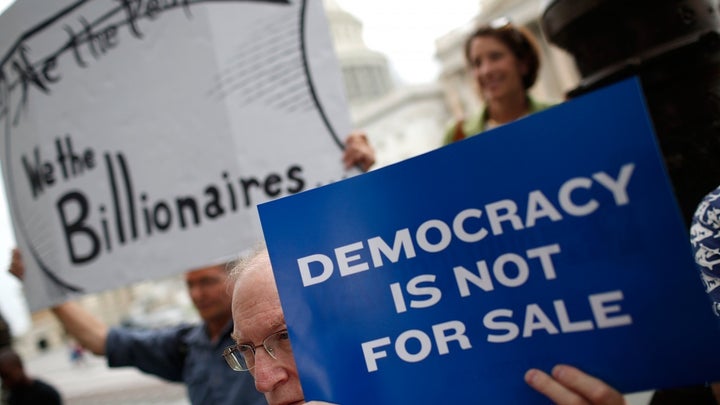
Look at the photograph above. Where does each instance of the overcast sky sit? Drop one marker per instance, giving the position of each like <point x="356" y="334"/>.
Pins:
<point x="404" y="30"/>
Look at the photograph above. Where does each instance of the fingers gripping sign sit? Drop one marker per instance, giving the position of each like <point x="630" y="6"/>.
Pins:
<point x="568" y="385"/>
<point x="358" y="151"/>
<point x="17" y="267"/>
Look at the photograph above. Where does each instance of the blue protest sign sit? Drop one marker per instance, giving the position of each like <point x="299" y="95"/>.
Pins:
<point x="442" y="279"/>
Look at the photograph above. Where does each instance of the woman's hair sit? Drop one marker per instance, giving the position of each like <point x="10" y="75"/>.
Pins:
<point x="520" y="42"/>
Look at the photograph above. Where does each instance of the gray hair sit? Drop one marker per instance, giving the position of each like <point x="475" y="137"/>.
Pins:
<point x="240" y="266"/>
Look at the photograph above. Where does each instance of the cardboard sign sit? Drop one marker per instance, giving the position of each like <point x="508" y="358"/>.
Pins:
<point x="442" y="279"/>
<point x="138" y="136"/>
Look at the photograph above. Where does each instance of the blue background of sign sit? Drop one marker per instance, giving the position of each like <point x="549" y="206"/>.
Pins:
<point x="641" y="248"/>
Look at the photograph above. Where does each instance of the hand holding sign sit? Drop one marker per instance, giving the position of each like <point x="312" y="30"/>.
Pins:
<point x="358" y="151"/>
<point x="17" y="267"/>
<point x="570" y="386"/>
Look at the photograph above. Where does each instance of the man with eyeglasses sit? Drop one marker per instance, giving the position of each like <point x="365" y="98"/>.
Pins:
<point x="190" y="354"/>
<point x="262" y="347"/>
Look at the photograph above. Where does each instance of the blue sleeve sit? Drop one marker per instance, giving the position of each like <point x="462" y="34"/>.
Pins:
<point x="158" y="352"/>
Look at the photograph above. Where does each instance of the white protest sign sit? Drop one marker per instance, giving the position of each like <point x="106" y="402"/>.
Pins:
<point x="138" y="136"/>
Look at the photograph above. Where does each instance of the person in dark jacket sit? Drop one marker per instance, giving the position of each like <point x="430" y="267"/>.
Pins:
<point x="20" y="388"/>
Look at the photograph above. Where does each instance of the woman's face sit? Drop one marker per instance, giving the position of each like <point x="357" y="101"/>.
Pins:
<point x="495" y="69"/>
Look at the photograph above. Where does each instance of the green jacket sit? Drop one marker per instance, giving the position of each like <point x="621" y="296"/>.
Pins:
<point x="477" y="123"/>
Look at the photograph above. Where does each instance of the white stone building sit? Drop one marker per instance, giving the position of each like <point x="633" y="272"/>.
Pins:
<point x="404" y="121"/>
<point x="401" y="121"/>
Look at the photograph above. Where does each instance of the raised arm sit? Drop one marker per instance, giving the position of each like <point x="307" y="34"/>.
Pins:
<point x="86" y="328"/>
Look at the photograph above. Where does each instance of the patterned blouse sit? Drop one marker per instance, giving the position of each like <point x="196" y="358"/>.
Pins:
<point x="705" y="239"/>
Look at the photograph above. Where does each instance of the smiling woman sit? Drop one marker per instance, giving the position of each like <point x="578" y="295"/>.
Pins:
<point x="503" y="62"/>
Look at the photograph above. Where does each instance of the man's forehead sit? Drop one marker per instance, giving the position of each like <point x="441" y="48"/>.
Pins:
<point x="256" y="305"/>
<point x="255" y="295"/>
<point x="210" y="271"/>
<point x="258" y="327"/>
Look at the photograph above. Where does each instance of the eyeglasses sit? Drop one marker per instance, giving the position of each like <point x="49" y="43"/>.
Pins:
<point x="242" y="357"/>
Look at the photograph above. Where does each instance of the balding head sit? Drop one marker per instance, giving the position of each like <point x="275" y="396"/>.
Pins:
<point x="257" y="314"/>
